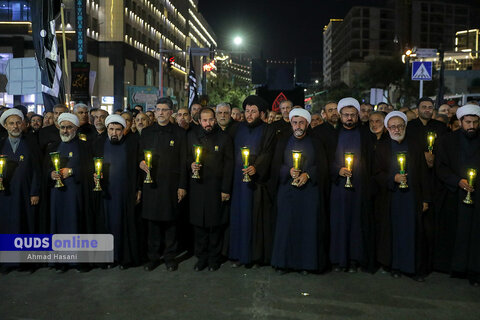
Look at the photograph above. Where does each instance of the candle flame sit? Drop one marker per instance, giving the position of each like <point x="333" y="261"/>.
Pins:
<point x="246" y="152"/>
<point x="349" y="159"/>
<point x="296" y="155"/>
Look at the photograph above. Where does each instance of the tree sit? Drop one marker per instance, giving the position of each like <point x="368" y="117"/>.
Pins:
<point x="223" y="89"/>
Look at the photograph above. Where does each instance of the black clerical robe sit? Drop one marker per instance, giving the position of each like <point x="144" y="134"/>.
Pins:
<point x="300" y="213"/>
<point x="21" y="179"/>
<point x="457" y="225"/>
<point x="402" y="225"/>
<point x="115" y="210"/>
<point x="58" y="214"/>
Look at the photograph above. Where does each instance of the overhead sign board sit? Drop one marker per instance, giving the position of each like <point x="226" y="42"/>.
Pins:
<point x="426" y="52"/>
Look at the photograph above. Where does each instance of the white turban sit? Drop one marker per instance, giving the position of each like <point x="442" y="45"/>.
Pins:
<point x="395" y="114"/>
<point x="69" y="117"/>
<point x="300" y="113"/>
<point x="115" y="118"/>
<point x="348" y="102"/>
<point x="468" y="110"/>
<point x="10" y="112"/>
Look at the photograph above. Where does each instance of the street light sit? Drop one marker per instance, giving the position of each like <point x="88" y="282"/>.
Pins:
<point x="237" y="40"/>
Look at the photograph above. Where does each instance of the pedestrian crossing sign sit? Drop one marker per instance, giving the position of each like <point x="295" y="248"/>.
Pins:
<point x="422" y="70"/>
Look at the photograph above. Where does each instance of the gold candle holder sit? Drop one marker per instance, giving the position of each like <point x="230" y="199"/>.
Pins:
<point x="245" y="158"/>
<point x="296" y="156"/>
<point x="402" y="161"/>
<point x="431" y="140"/>
<point x="3" y="164"/>
<point x="148" y="160"/>
<point x="349" y="166"/>
<point x="472" y="174"/>
<point x="198" y="152"/>
<point x="55" y="156"/>
<point x="98" y="161"/>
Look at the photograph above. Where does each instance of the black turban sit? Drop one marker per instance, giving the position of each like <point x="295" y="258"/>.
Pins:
<point x="256" y="101"/>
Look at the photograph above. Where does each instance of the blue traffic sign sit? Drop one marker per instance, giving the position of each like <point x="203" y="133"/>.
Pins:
<point x="422" y="70"/>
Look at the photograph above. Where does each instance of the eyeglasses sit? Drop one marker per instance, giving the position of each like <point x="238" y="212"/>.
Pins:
<point x="395" y="128"/>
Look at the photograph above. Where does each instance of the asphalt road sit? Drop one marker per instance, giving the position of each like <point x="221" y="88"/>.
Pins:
<point x="232" y="294"/>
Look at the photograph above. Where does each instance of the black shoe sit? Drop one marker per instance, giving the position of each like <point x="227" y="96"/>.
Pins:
<point x="151" y="265"/>
<point x="474" y="283"/>
<point x="172" y="267"/>
<point x="281" y="271"/>
<point x="200" y="265"/>
<point x="396" y="274"/>
<point x="338" y="269"/>
<point x="213" y="267"/>
<point x="418" y="278"/>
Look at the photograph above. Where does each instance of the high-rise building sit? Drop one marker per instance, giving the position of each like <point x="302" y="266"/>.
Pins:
<point x="390" y="29"/>
<point x="123" y="41"/>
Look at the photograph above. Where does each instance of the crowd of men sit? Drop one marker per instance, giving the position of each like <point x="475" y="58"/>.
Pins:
<point x="346" y="189"/>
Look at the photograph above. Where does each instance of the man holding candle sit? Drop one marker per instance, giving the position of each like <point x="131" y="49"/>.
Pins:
<point x="20" y="177"/>
<point x="299" y="174"/>
<point x="251" y="222"/>
<point x="457" y="243"/>
<point x="69" y="206"/>
<point x="210" y="153"/>
<point x="115" y="212"/>
<point x="400" y="169"/>
<point x="168" y="170"/>
<point x="351" y="216"/>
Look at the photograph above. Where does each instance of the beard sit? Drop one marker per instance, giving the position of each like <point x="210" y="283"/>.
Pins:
<point x="67" y="137"/>
<point x="350" y="124"/>
<point x="115" y="139"/>
<point x="398" y="137"/>
<point x="298" y="133"/>
<point x="471" y="133"/>
<point x="15" y="133"/>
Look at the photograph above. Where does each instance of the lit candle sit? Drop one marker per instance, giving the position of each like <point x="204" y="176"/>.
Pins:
<point x="98" y="161"/>
<point x="401" y="162"/>
<point x="198" y="152"/>
<point x="297" y="155"/>
<point x="349" y="160"/>
<point x="431" y="139"/>
<point x="3" y="160"/>
<point x="471" y="176"/>
<point x="245" y="156"/>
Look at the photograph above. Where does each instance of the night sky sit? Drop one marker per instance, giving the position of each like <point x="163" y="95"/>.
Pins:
<point x="281" y="29"/>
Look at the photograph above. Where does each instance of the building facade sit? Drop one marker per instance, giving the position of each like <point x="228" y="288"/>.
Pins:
<point x="124" y="38"/>
<point x="389" y="30"/>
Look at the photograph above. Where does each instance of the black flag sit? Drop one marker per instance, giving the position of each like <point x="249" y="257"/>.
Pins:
<point x="192" y="84"/>
<point x="45" y="43"/>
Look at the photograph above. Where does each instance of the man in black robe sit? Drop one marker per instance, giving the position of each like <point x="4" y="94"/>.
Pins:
<point x="418" y="128"/>
<point x="167" y="143"/>
<point x="300" y="233"/>
<point x="119" y="190"/>
<point x="210" y="192"/>
<point x="351" y="216"/>
<point x="86" y="131"/>
<point x="403" y="249"/>
<point x="21" y="180"/>
<point x="51" y="134"/>
<point x="251" y="220"/>
<point x="457" y="245"/>
<point x="69" y="206"/>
